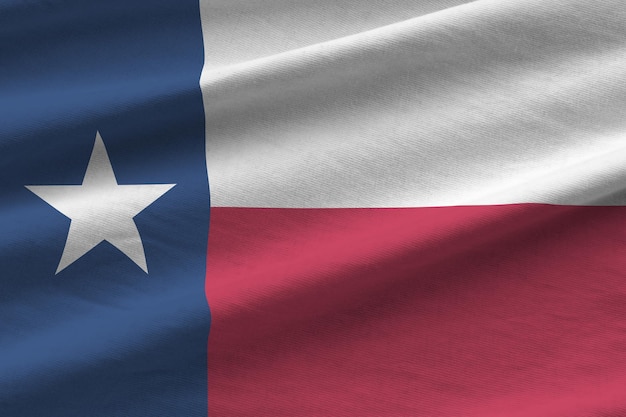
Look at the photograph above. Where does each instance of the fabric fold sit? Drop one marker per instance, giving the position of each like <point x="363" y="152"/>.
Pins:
<point x="420" y="311"/>
<point x="441" y="102"/>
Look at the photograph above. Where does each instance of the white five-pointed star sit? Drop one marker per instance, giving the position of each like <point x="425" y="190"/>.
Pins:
<point x="100" y="209"/>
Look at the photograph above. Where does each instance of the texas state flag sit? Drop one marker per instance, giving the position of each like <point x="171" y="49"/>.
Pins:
<point x="312" y="208"/>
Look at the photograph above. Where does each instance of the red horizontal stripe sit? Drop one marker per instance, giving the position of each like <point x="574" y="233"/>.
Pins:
<point x="487" y="311"/>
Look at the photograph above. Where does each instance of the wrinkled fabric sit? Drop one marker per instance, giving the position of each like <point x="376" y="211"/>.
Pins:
<point x="417" y="207"/>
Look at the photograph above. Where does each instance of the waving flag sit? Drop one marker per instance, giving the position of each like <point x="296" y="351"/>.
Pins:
<point x="417" y="208"/>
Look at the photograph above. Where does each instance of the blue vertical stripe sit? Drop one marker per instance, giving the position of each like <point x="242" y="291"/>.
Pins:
<point x="102" y="338"/>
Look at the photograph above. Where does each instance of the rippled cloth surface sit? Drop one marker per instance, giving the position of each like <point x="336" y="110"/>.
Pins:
<point x="412" y="208"/>
<point x="97" y="333"/>
<point x="417" y="207"/>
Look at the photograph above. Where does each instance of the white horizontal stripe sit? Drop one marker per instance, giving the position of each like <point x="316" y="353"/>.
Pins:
<point x="491" y="102"/>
